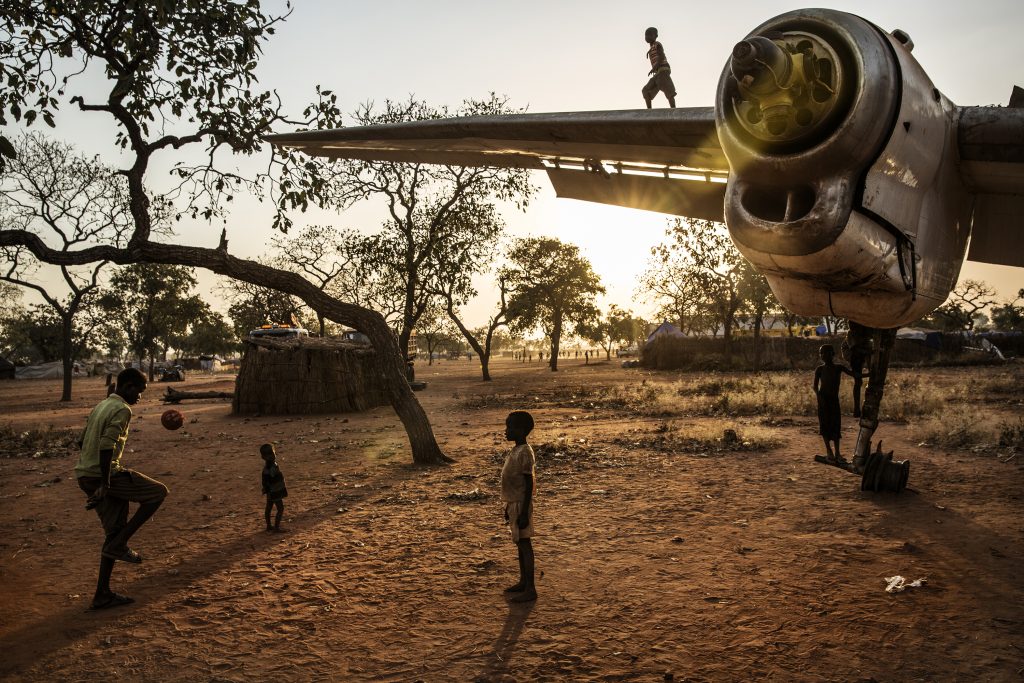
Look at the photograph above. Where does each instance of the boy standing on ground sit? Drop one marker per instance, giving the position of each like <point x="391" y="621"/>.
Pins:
<point x="517" y="489"/>
<point x="110" y="486"/>
<point x="660" y="73"/>
<point x="827" y="377"/>
<point x="273" y="486"/>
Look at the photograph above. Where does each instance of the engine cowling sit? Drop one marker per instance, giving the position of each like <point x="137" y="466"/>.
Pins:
<point x="843" y="187"/>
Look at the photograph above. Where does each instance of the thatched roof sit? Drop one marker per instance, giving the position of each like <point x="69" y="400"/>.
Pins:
<point x="322" y="343"/>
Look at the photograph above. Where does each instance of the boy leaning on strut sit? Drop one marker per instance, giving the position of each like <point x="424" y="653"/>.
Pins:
<point x="110" y="486"/>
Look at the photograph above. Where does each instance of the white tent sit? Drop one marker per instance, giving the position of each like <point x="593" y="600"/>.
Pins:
<point x="666" y="329"/>
<point x="54" y="370"/>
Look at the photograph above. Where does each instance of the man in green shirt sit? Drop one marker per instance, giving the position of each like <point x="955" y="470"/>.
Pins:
<point x="110" y="486"/>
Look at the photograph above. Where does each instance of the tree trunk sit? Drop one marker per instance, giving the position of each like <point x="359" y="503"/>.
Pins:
<point x="556" y="338"/>
<point x="757" y="339"/>
<point x="323" y="324"/>
<point x="485" y="360"/>
<point x="390" y="361"/>
<point x="67" y="352"/>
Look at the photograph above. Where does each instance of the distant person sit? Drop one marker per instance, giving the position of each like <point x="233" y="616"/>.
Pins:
<point x="827" y="377"/>
<point x="518" y="485"/>
<point x="660" y="73"/>
<point x="273" y="486"/>
<point x="110" y="486"/>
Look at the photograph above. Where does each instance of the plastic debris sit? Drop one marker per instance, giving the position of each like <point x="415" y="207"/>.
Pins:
<point x="898" y="584"/>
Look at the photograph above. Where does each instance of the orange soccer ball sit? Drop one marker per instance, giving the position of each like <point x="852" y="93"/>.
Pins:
<point x="172" y="419"/>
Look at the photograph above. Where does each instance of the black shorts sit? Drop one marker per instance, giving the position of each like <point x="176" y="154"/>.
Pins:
<point x="125" y="486"/>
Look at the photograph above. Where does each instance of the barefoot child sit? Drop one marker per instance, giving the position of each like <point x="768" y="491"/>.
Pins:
<point x="517" y="489"/>
<point x="660" y="73"/>
<point x="273" y="486"/>
<point x="827" y="377"/>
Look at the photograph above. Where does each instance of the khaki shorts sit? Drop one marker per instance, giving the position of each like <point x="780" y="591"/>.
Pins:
<point x="512" y="510"/>
<point x="125" y="486"/>
<point x="662" y="80"/>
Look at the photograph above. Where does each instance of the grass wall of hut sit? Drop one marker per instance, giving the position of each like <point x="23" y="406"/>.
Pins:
<point x="307" y="376"/>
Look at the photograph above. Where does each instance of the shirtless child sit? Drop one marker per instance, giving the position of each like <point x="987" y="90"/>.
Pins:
<point x="517" y="489"/>
<point x="827" y="377"/>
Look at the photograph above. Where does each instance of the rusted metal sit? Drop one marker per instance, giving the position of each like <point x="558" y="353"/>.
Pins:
<point x="882" y="473"/>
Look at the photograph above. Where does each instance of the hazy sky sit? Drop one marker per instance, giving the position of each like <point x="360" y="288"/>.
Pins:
<point x="568" y="55"/>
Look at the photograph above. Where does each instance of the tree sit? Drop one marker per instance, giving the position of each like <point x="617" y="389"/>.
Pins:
<point x="616" y="327"/>
<point x="251" y="305"/>
<point x="328" y="258"/>
<point x="180" y="75"/>
<point x="552" y="287"/>
<point x="758" y="300"/>
<point x="208" y="333"/>
<point x="37" y="334"/>
<point x="699" y="265"/>
<point x="483" y="340"/>
<point x="436" y="331"/>
<point x="42" y="335"/>
<point x="428" y="206"/>
<point x="152" y="305"/>
<point x="1009" y="317"/>
<point x="12" y="334"/>
<point x="73" y="201"/>
<point x="452" y="267"/>
<point x="960" y="311"/>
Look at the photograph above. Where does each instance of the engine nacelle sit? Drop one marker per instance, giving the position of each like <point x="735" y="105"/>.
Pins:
<point x="844" y="189"/>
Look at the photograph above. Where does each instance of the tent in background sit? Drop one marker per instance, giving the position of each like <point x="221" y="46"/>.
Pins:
<point x="666" y="329"/>
<point x="931" y="338"/>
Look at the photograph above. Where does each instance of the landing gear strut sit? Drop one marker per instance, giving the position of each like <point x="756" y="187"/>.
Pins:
<point x="882" y="342"/>
<point x="879" y="472"/>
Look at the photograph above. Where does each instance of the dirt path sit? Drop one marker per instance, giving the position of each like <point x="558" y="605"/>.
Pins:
<point x="713" y="565"/>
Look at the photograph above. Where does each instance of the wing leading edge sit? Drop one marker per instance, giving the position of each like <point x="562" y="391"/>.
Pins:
<point x="665" y="160"/>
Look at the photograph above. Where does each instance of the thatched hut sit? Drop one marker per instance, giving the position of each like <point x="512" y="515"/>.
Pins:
<point x="304" y="375"/>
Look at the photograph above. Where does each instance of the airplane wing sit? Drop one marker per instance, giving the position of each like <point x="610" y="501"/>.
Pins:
<point x="991" y="141"/>
<point x="665" y="160"/>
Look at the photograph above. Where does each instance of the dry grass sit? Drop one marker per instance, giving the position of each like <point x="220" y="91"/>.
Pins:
<point x="942" y="410"/>
<point x="701" y="439"/>
<point x="963" y="428"/>
<point x="36" y="442"/>
<point x="1011" y="435"/>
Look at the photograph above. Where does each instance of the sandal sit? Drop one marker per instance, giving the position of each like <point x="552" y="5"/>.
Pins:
<point x="128" y="555"/>
<point x="112" y="600"/>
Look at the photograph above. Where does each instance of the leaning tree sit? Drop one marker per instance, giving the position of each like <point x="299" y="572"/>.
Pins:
<point x="180" y="75"/>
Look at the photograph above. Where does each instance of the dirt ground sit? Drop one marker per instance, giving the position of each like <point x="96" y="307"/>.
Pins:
<point x="709" y="566"/>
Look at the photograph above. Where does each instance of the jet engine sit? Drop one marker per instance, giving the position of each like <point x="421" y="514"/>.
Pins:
<point x="844" y="189"/>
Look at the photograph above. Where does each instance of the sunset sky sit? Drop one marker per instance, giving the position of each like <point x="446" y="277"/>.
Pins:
<point x="570" y="55"/>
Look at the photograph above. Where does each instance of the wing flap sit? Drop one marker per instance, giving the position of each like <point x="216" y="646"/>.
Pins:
<point x="693" y="198"/>
<point x="997" y="235"/>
